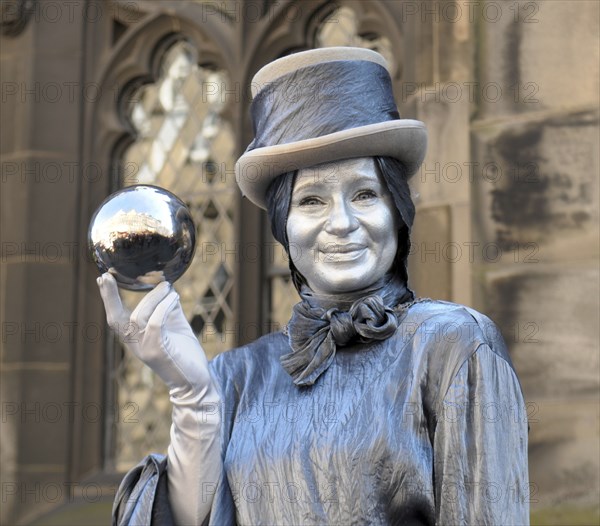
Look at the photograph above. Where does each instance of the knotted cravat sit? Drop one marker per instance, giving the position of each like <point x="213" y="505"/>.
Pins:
<point x="320" y="324"/>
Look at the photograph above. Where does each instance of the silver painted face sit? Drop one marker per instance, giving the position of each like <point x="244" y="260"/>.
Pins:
<point x="142" y="235"/>
<point x="342" y="226"/>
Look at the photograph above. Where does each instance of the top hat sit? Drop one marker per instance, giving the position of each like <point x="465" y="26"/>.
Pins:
<point x="320" y="106"/>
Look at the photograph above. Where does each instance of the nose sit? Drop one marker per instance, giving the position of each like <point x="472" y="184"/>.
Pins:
<point x="341" y="219"/>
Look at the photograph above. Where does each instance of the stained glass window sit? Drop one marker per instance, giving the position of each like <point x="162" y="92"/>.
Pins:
<point x="186" y="145"/>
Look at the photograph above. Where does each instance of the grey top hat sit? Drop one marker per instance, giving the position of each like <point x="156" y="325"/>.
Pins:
<point x="320" y="106"/>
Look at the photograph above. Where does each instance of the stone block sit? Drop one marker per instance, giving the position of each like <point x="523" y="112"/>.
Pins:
<point x="499" y="75"/>
<point x="548" y="315"/>
<point x="561" y="52"/>
<point x="456" y="46"/>
<point x="537" y="184"/>
<point x="531" y="59"/>
<point x="45" y="411"/>
<point x="38" y="324"/>
<point x="14" y="209"/>
<point x="445" y="174"/>
<point x="8" y="87"/>
<point x="429" y="270"/>
<point x="38" y="492"/>
<point x="48" y="185"/>
<point x="55" y="97"/>
<point x="58" y="25"/>
<point x="441" y="254"/>
<point x="10" y="388"/>
<point x="563" y="452"/>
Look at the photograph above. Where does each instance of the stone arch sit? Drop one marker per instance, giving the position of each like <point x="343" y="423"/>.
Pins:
<point x="134" y="62"/>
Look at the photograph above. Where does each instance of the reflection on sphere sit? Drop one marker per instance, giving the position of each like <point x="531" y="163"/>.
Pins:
<point x="142" y="235"/>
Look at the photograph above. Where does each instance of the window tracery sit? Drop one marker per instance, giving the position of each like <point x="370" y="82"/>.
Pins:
<point x="185" y="144"/>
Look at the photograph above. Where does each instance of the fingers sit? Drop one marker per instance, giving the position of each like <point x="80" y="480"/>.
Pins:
<point x="149" y="304"/>
<point x="116" y="315"/>
<point x="159" y="316"/>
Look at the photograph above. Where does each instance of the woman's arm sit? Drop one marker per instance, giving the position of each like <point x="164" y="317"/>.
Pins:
<point x="158" y="333"/>
<point x="480" y="446"/>
<point x="194" y="455"/>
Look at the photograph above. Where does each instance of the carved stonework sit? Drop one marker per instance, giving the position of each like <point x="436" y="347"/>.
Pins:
<point x="14" y="15"/>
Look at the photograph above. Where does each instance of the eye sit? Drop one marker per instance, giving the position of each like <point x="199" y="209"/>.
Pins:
<point x="363" y="195"/>
<point x="310" y="201"/>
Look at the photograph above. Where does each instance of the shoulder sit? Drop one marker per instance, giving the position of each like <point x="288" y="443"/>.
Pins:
<point x="442" y="323"/>
<point x="443" y="336"/>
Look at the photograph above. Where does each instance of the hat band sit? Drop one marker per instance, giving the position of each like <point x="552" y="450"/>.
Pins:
<point x="322" y="99"/>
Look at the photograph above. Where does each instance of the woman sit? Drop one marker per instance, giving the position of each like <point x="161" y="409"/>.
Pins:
<point x="370" y="407"/>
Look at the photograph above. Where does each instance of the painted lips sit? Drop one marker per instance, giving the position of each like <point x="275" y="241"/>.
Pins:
<point x="341" y="252"/>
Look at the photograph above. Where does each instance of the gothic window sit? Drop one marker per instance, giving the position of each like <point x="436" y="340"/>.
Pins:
<point x="341" y="28"/>
<point x="184" y="143"/>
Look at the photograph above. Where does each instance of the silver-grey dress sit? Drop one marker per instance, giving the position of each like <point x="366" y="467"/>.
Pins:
<point x="426" y="427"/>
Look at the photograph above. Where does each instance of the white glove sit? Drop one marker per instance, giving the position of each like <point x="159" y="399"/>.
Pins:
<point x="158" y="333"/>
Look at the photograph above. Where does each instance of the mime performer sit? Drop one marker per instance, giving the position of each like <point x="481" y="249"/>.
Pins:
<point x="371" y="406"/>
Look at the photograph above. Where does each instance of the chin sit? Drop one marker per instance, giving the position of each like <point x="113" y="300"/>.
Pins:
<point x="344" y="284"/>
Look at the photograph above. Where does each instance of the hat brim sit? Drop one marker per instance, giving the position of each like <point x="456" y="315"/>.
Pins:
<point x="402" y="139"/>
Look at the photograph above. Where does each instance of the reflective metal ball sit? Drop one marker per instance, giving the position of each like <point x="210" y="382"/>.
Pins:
<point x="142" y="235"/>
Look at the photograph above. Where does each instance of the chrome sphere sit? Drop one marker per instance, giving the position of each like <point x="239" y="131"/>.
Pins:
<point x="142" y="235"/>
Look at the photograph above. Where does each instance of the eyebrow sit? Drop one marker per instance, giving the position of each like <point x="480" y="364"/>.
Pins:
<point x="322" y="183"/>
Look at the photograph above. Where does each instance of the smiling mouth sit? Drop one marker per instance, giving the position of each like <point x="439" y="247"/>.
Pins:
<point x="337" y="252"/>
<point x="337" y="248"/>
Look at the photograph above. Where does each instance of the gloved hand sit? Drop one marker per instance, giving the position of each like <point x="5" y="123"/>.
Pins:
<point x="158" y="333"/>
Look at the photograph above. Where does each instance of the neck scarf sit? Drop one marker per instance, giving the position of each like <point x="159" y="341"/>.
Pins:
<point x="320" y="323"/>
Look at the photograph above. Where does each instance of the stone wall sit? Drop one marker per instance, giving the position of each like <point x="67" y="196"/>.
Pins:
<point x="511" y="184"/>
<point x="540" y="207"/>
<point x="51" y="370"/>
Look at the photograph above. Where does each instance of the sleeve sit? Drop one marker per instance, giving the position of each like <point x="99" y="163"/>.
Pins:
<point x="194" y="455"/>
<point x="143" y="497"/>
<point x="179" y="488"/>
<point x="480" y="446"/>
